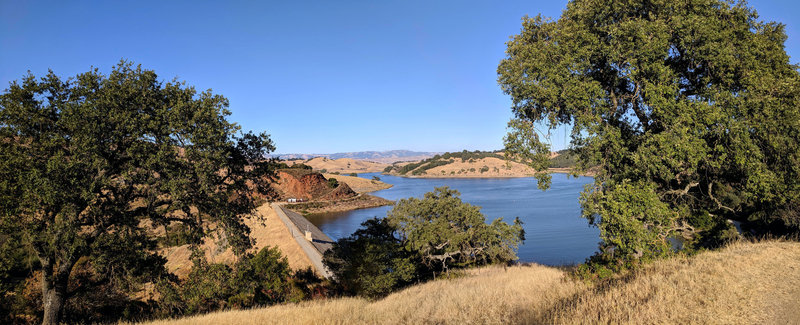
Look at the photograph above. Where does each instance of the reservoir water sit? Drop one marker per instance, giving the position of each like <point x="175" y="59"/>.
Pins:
<point x="555" y="233"/>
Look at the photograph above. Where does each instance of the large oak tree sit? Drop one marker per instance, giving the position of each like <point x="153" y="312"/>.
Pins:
<point x="91" y="165"/>
<point x="690" y="110"/>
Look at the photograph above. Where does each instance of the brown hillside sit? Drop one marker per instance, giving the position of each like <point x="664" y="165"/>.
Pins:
<point x="476" y="168"/>
<point x="342" y="165"/>
<point x="484" y="167"/>
<point x="308" y="185"/>
<point x="746" y="283"/>
<point x="266" y="229"/>
<point x="359" y="184"/>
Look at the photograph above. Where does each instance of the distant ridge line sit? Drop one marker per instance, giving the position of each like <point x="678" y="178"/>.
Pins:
<point x="393" y="155"/>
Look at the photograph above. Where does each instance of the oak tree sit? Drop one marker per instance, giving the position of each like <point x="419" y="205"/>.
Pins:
<point x="690" y="109"/>
<point x="92" y="165"/>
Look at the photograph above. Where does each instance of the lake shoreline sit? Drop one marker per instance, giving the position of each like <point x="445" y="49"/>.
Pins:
<point x="555" y="232"/>
<point x="567" y="171"/>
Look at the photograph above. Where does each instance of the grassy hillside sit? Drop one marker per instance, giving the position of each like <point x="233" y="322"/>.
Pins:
<point x="747" y="283"/>
<point x="360" y="184"/>
<point x="342" y="165"/>
<point x="476" y="164"/>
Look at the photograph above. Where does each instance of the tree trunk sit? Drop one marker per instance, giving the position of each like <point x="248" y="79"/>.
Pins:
<point x="54" y="290"/>
<point x="53" y="300"/>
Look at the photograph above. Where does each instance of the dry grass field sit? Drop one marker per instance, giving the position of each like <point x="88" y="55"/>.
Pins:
<point x="342" y="165"/>
<point x="745" y="283"/>
<point x="481" y="168"/>
<point x="270" y="232"/>
<point x="358" y="184"/>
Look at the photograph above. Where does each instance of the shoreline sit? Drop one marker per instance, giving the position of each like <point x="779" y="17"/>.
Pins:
<point x="551" y="170"/>
<point x="362" y="201"/>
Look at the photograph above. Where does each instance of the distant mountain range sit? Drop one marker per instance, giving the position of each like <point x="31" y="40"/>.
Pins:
<point x="377" y="156"/>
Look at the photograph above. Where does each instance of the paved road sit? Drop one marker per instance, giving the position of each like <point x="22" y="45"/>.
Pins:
<point x="320" y="243"/>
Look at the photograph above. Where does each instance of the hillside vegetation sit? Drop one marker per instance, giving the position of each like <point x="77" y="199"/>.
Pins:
<point x="342" y="165"/>
<point x="476" y="164"/>
<point x="386" y="157"/>
<point x="360" y="184"/>
<point x="745" y="283"/>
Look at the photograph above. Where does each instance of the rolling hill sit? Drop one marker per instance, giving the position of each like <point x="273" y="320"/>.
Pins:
<point x="386" y="157"/>
<point x="476" y="164"/>
<point x="744" y="283"/>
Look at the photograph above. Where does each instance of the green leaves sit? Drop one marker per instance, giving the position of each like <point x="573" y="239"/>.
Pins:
<point x="450" y="233"/>
<point x="417" y="239"/>
<point x="523" y="143"/>
<point x="692" y="104"/>
<point x="373" y="261"/>
<point x="93" y="163"/>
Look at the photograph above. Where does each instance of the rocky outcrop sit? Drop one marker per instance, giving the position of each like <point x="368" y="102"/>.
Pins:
<point x="308" y="185"/>
<point x="343" y="191"/>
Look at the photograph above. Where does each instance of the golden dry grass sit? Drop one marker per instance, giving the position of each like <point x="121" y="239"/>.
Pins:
<point x="358" y="184"/>
<point x="745" y="283"/>
<point x="270" y="232"/>
<point x="343" y="165"/>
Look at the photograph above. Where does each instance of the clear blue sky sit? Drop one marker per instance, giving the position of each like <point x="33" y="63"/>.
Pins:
<point x="319" y="76"/>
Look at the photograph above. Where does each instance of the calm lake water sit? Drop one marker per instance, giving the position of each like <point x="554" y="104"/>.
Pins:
<point x="555" y="233"/>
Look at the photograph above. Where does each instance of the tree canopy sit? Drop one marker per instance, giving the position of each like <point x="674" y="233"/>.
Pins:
<point x="690" y="109"/>
<point x="372" y="261"/>
<point x="90" y="166"/>
<point x="448" y="232"/>
<point x="417" y="239"/>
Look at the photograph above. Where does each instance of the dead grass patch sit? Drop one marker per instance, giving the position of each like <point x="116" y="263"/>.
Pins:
<point x="750" y="283"/>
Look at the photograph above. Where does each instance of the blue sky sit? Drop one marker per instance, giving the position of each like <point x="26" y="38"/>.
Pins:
<point x="319" y="76"/>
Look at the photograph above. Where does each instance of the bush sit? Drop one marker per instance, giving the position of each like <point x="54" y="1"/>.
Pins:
<point x="353" y="174"/>
<point x="418" y="239"/>
<point x="448" y="232"/>
<point x="333" y="183"/>
<point x="256" y="280"/>
<point x="301" y="166"/>
<point x="372" y="262"/>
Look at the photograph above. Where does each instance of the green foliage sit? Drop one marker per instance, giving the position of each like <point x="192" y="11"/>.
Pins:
<point x="333" y="183"/>
<point x="423" y="169"/>
<point x="565" y="159"/>
<point x="255" y="280"/>
<point x="282" y="165"/>
<point x="88" y="164"/>
<point x="417" y="239"/>
<point x="423" y="166"/>
<point x="302" y="166"/>
<point x="376" y="178"/>
<point x="447" y="232"/>
<point x="353" y="174"/>
<point x="388" y="169"/>
<point x="484" y="169"/>
<point x="373" y="261"/>
<point x="636" y="222"/>
<point x="686" y="108"/>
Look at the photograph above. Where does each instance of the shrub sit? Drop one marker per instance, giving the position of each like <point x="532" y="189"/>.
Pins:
<point x="255" y="280"/>
<point x="333" y="183"/>
<point x="417" y="239"/>
<point x="372" y="262"/>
